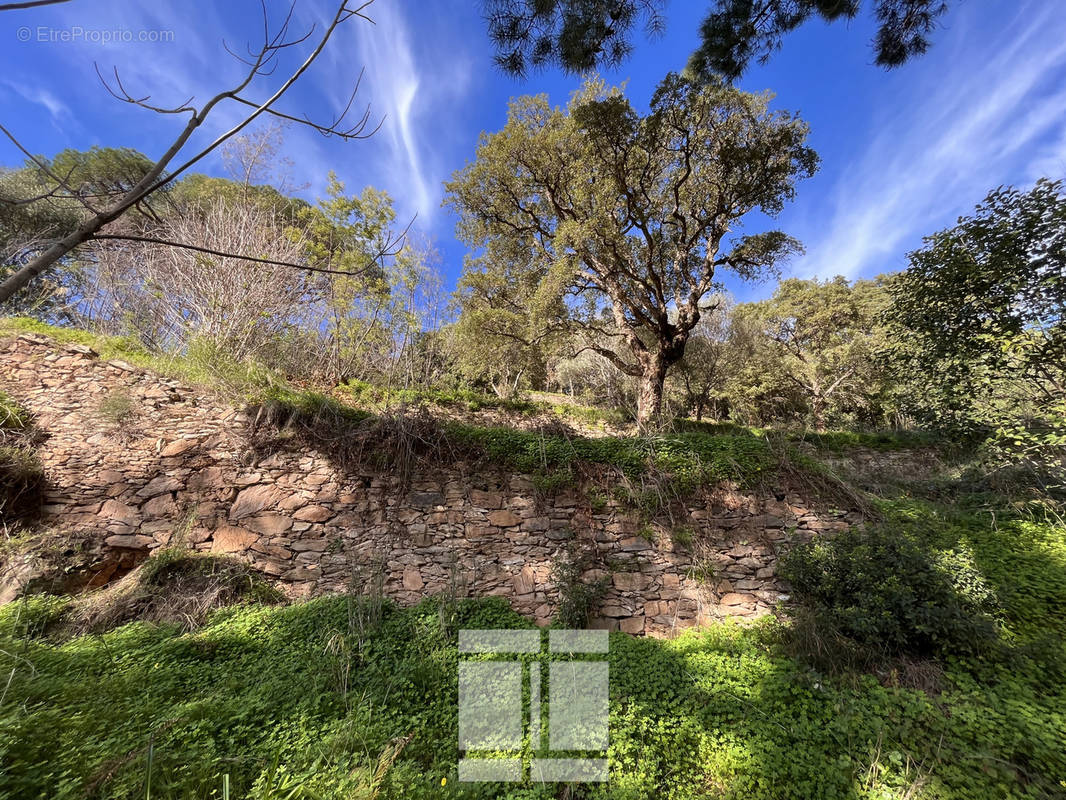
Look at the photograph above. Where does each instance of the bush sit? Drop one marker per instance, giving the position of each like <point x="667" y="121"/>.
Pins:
<point x="13" y="418"/>
<point x="579" y="600"/>
<point x="21" y="482"/>
<point x="173" y="586"/>
<point x="21" y="474"/>
<point x="884" y="590"/>
<point x="116" y="408"/>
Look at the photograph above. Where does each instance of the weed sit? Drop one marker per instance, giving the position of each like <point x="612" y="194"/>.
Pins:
<point x="22" y="483"/>
<point x="579" y="599"/>
<point x="683" y="535"/>
<point x="116" y="408"/>
<point x="597" y="501"/>
<point x="174" y="587"/>
<point x="13" y="417"/>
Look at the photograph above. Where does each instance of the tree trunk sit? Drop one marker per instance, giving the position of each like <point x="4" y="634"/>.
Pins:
<point x="818" y="412"/>
<point x="650" y="396"/>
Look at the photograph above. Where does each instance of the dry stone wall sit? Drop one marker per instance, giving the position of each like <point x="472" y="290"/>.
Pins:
<point x="136" y="462"/>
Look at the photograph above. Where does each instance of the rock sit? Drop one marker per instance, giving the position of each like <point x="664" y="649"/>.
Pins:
<point x="632" y="625"/>
<point x="308" y="573"/>
<point x="481" y="499"/>
<point x="255" y="498"/>
<point x="630" y="581"/>
<point x="131" y="542"/>
<point x="231" y="539"/>
<point x="313" y="545"/>
<point x="524" y="581"/>
<point x="161" y="485"/>
<point x="110" y="476"/>
<point x="735" y="599"/>
<point x="161" y="506"/>
<point x="209" y="478"/>
<point x="504" y="518"/>
<point x="426" y="499"/>
<point x="120" y="512"/>
<point x="313" y="514"/>
<point x="768" y="521"/>
<point x="412" y="579"/>
<point x="178" y="447"/>
<point x="269" y="524"/>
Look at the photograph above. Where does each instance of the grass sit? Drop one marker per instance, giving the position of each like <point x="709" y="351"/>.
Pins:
<point x="256" y="694"/>
<point x="21" y="473"/>
<point x="691" y="460"/>
<point x="13" y="418"/>
<point x="382" y="398"/>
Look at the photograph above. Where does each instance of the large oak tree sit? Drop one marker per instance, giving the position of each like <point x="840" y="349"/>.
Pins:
<point x="622" y="220"/>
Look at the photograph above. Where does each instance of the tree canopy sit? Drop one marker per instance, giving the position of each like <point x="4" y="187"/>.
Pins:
<point x="820" y="339"/>
<point x="583" y="35"/>
<point x="622" y="220"/>
<point x="979" y="321"/>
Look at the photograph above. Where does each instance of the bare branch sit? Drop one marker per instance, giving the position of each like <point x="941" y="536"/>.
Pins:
<point x="158" y="177"/>
<point x="60" y="182"/>
<point x="212" y="252"/>
<point x="30" y="4"/>
<point x="123" y="96"/>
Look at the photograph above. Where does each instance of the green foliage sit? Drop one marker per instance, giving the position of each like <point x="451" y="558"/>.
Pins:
<point x="21" y="474"/>
<point x="811" y="353"/>
<point x="562" y="254"/>
<point x="580" y="36"/>
<point x="579" y="598"/>
<point x="13" y="418"/>
<point x="884" y="588"/>
<point x="21" y="481"/>
<point x="842" y="441"/>
<point x="116" y="407"/>
<point x="683" y="535"/>
<point x="736" y="32"/>
<point x="253" y="695"/>
<point x="978" y="327"/>
<point x="107" y="171"/>
<point x="107" y="346"/>
<point x="690" y="459"/>
<point x="31" y="616"/>
<point x="200" y="193"/>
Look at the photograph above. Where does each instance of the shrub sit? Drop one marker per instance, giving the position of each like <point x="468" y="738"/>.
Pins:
<point x="13" y="418"/>
<point x="173" y="586"/>
<point x="21" y="482"/>
<point x="21" y="474"/>
<point x="116" y="408"/>
<point x="579" y="599"/>
<point x="886" y="591"/>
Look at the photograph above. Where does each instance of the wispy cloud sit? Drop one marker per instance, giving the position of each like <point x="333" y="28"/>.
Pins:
<point x="413" y="88"/>
<point x="969" y="124"/>
<point x="56" y="108"/>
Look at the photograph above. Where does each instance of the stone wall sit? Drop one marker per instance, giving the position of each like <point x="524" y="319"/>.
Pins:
<point x="178" y="467"/>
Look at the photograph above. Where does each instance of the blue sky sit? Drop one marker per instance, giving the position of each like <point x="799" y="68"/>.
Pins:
<point x="903" y="152"/>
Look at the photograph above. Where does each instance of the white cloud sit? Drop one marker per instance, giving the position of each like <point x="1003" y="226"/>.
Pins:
<point x="57" y="109"/>
<point x="968" y="124"/>
<point x="413" y="88"/>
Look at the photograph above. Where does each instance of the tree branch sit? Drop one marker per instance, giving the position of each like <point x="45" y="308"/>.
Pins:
<point x="30" y="4"/>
